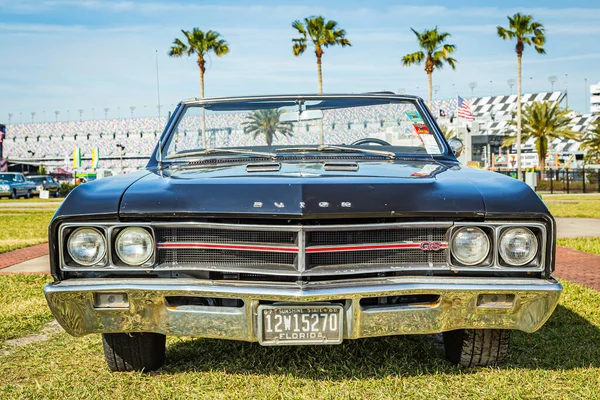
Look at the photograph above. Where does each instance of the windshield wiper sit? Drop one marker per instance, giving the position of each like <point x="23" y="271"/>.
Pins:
<point x="326" y="147"/>
<point x="217" y="151"/>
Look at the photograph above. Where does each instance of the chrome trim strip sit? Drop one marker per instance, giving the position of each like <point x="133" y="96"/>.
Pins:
<point x="71" y="302"/>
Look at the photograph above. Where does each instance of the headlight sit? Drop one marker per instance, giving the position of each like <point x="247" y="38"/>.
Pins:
<point x="470" y="245"/>
<point x="518" y="246"/>
<point x="40" y="187"/>
<point x="134" y="245"/>
<point x="86" y="246"/>
<point x="5" y="188"/>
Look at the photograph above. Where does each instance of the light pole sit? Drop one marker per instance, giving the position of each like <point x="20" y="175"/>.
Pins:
<point x="21" y="116"/>
<point x="511" y="83"/>
<point x="68" y="115"/>
<point x="93" y="113"/>
<point x="435" y="90"/>
<point x="132" y="109"/>
<point x="552" y="79"/>
<point x="10" y="115"/>
<point x="491" y="89"/>
<point x="118" y="112"/>
<point x="80" y="114"/>
<point x="472" y="86"/>
<point x="567" y="89"/>
<point x="106" y="110"/>
<point x="32" y="116"/>
<point x="56" y="112"/>
<point x="585" y="95"/>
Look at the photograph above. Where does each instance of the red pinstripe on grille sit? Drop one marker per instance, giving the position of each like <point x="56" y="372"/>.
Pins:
<point x="320" y="249"/>
<point x="372" y="247"/>
<point x="227" y="247"/>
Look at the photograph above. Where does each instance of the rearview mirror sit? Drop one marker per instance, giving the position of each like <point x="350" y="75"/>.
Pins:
<point x="456" y="145"/>
<point x="294" y="116"/>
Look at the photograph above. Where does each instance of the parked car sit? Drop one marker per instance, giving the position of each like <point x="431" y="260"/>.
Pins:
<point x="355" y="220"/>
<point x="45" y="182"/>
<point x="18" y="185"/>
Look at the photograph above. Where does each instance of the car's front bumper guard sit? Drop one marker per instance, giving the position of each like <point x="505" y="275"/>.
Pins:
<point x="72" y="303"/>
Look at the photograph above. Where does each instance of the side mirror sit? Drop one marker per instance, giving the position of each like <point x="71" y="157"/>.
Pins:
<point x="456" y="145"/>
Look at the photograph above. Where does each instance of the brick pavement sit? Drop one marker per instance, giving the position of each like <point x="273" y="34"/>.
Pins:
<point x="578" y="266"/>
<point x="21" y="255"/>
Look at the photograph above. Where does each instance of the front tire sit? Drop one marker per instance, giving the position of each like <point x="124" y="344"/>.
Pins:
<point x="477" y="347"/>
<point x="29" y="194"/>
<point x="14" y="194"/>
<point x="134" y="351"/>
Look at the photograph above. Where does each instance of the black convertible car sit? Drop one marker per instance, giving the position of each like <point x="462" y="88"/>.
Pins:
<point x="302" y="220"/>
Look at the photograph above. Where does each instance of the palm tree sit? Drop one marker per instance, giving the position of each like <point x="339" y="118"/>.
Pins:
<point x="266" y="123"/>
<point x="544" y="122"/>
<point x="591" y="143"/>
<point x="200" y="43"/>
<point x="525" y="31"/>
<point x="435" y="52"/>
<point x="321" y="34"/>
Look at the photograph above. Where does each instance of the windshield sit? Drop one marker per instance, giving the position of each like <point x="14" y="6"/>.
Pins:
<point x="8" y="177"/>
<point x="37" y="179"/>
<point x="367" y="125"/>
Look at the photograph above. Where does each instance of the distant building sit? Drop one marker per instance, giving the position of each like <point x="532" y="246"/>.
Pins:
<point x="595" y="98"/>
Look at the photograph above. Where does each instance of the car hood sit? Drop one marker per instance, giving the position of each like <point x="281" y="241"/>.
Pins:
<point x="307" y="190"/>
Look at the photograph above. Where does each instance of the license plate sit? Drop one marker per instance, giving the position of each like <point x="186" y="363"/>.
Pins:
<point x="287" y="325"/>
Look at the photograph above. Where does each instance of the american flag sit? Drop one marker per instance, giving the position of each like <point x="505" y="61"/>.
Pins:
<point x="464" y="110"/>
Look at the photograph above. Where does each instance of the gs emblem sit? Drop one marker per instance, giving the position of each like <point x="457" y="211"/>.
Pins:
<point x="430" y="246"/>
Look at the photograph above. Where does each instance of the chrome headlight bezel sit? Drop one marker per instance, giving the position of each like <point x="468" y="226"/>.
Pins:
<point x="120" y="257"/>
<point x="485" y="255"/>
<point x="542" y="230"/>
<point x="100" y="260"/>
<point x="502" y="250"/>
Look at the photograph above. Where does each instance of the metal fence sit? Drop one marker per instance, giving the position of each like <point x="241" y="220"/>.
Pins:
<point x="567" y="180"/>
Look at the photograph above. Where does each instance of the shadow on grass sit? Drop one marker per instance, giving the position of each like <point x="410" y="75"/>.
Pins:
<point x="566" y="341"/>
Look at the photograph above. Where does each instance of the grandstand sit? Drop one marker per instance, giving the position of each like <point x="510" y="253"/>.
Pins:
<point x="52" y="143"/>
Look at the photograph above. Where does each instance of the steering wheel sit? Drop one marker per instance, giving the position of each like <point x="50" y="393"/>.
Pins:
<point x="370" y="140"/>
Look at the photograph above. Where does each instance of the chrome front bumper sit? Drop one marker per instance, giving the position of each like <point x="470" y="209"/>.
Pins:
<point x="72" y="303"/>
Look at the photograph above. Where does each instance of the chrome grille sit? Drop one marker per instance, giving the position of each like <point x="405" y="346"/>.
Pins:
<point x="312" y="250"/>
<point x="207" y="235"/>
<point x="230" y="258"/>
<point x="376" y="236"/>
<point x="377" y="257"/>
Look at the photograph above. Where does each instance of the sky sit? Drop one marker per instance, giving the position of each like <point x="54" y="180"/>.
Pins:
<point x="70" y="55"/>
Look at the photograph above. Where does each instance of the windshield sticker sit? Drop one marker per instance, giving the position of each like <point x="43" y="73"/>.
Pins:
<point x="414" y="117"/>
<point x="431" y="145"/>
<point x="421" y="129"/>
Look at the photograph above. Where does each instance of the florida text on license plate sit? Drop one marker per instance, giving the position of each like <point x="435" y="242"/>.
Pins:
<point x="291" y="324"/>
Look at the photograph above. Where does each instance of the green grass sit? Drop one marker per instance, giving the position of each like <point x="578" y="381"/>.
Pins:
<point x="575" y="206"/>
<point x="587" y="244"/>
<point x="560" y="361"/>
<point x="22" y="227"/>
<point x="23" y="309"/>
